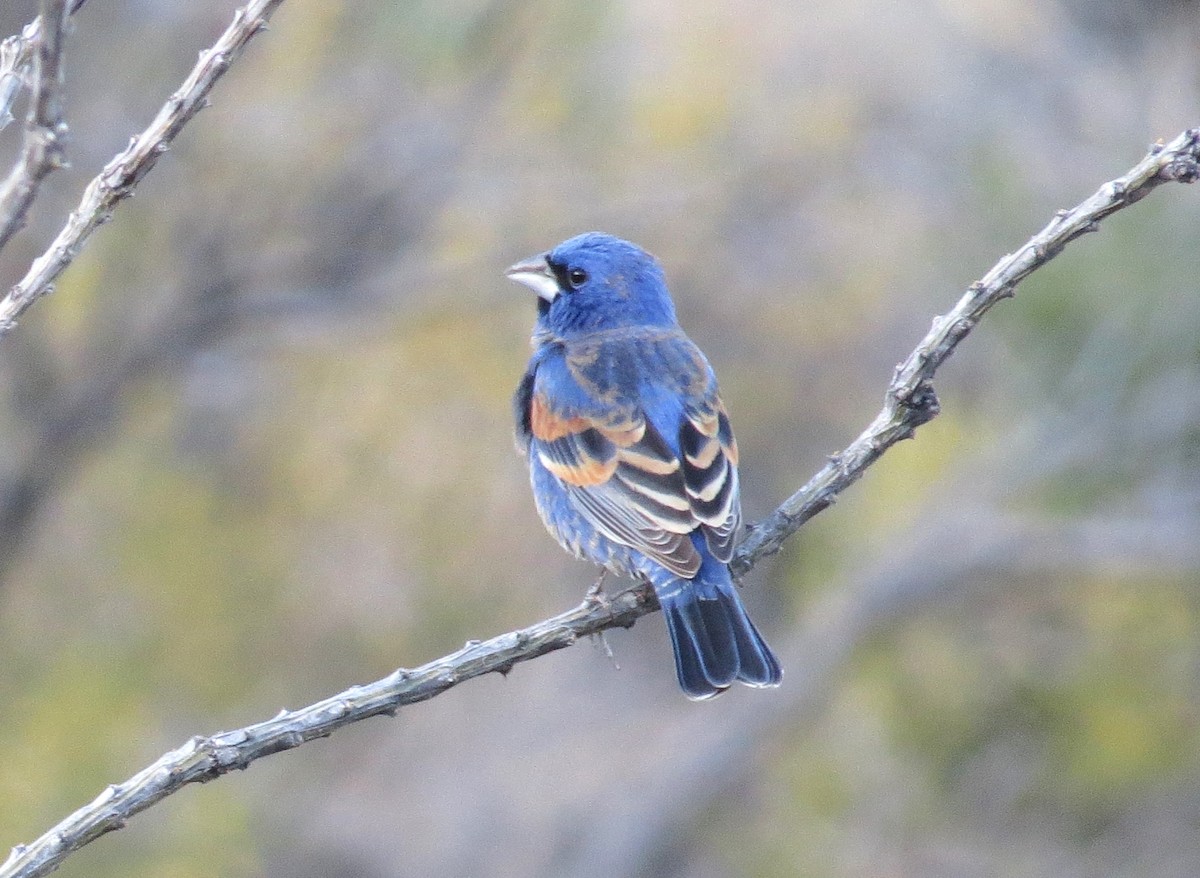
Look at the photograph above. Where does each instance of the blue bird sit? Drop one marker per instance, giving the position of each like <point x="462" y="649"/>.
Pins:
<point x="631" y="456"/>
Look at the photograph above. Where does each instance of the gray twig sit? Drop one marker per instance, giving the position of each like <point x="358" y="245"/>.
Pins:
<point x="45" y="130"/>
<point x="121" y="175"/>
<point x="909" y="402"/>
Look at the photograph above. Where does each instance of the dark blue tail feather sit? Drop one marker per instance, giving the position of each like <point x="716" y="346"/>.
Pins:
<point x="714" y="640"/>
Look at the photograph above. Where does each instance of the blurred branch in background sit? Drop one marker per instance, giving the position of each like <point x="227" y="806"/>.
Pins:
<point x="910" y="402"/>
<point x="45" y="128"/>
<point x="70" y="414"/>
<point x="655" y="827"/>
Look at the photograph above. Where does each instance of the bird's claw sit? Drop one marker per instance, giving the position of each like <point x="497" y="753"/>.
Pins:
<point x="595" y="594"/>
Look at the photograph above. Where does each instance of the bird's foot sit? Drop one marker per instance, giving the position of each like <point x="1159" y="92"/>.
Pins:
<point x="608" y="650"/>
<point x="595" y="594"/>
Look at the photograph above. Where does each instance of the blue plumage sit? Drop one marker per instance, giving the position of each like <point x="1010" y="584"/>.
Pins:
<point x="632" y="459"/>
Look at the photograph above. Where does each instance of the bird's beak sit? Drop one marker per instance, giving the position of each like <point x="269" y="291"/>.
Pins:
<point x="535" y="273"/>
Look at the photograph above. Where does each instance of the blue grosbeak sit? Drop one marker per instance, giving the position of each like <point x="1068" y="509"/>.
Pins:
<point x="631" y="455"/>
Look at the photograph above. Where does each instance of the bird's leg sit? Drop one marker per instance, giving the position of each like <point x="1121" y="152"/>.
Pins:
<point x="608" y="650"/>
<point x="595" y="594"/>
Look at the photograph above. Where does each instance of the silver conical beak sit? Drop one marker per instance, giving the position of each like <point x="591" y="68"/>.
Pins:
<point x="535" y="273"/>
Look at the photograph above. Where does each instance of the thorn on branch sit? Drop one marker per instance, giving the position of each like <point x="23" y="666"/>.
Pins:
<point x="1184" y="169"/>
<point x="920" y="407"/>
<point x="290" y="741"/>
<point x="220" y="62"/>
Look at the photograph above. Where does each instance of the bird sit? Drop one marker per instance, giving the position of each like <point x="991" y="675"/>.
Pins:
<point x="632" y="459"/>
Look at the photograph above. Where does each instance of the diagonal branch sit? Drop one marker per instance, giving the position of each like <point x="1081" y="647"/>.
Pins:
<point x="909" y="402"/>
<point x="45" y="130"/>
<point x="121" y="175"/>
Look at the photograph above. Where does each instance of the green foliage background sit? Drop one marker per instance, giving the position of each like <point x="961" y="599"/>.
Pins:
<point x="306" y="478"/>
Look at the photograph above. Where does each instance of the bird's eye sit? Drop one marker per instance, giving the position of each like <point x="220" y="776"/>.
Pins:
<point x="576" y="277"/>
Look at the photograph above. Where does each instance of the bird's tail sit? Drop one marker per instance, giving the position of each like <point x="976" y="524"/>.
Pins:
<point x="714" y="640"/>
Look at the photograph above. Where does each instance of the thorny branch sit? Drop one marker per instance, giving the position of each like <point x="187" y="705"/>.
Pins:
<point x="910" y="400"/>
<point x="909" y="403"/>
<point x="121" y="175"/>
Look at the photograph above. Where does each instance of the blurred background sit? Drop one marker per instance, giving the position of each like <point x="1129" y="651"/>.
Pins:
<point x="257" y="447"/>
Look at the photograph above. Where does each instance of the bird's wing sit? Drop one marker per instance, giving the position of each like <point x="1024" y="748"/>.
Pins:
<point x="621" y="476"/>
<point x="629" y="481"/>
<point x="710" y="474"/>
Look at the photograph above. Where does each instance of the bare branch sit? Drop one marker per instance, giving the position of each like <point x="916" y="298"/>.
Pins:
<point x="909" y="402"/>
<point x="45" y="129"/>
<point x="121" y="175"/>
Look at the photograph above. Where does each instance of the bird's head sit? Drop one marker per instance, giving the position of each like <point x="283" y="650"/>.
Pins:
<point x="594" y="282"/>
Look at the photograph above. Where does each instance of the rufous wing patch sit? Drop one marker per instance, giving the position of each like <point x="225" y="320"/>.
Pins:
<point x="547" y="426"/>
<point x="584" y="472"/>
